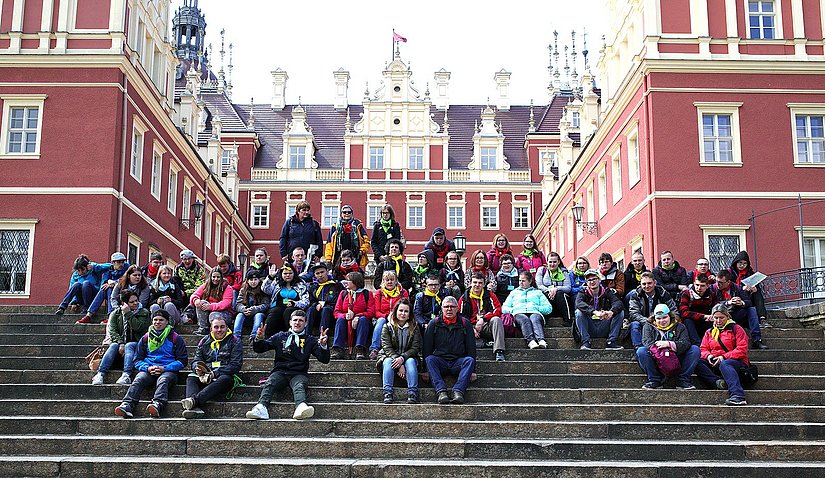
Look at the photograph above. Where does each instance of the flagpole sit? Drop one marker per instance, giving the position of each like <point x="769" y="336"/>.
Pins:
<point x="392" y="48"/>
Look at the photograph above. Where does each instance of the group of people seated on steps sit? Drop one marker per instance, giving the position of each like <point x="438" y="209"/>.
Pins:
<point x="433" y="313"/>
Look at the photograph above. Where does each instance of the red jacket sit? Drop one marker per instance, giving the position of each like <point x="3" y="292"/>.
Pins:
<point x="735" y="339"/>
<point x="234" y="279"/>
<point x="363" y="305"/>
<point x="469" y="307"/>
<point x="383" y="305"/>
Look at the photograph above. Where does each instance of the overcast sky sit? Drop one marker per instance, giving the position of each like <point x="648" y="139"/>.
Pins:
<point x="472" y="40"/>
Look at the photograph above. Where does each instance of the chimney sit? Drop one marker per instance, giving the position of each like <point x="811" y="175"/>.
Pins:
<point x="341" y="87"/>
<point x="442" y="97"/>
<point x="502" y="78"/>
<point x="279" y="78"/>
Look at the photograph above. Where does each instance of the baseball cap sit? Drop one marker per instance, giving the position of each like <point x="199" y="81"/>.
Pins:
<point x="661" y="310"/>
<point x="118" y="256"/>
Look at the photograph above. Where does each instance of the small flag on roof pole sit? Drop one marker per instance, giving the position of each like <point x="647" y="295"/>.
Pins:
<point x="397" y="38"/>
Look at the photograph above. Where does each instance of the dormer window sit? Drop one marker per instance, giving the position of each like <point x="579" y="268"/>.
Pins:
<point x="577" y="119"/>
<point x="226" y="161"/>
<point x="488" y="159"/>
<point x="297" y="157"/>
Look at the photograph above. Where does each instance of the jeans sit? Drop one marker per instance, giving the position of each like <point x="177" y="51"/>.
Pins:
<point x="204" y="318"/>
<point x="322" y="318"/>
<point x="169" y="307"/>
<point x="532" y="326"/>
<point x="461" y="367"/>
<point x="111" y="354"/>
<point x="696" y="330"/>
<point x="278" y="380"/>
<point x="636" y="333"/>
<point x="82" y="293"/>
<point x="257" y="320"/>
<point x="362" y="333"/>
<point x="411" y="365"/>
<point x="161" y="382"/>
<point x="376" y="334"/>
<point x="749" y="319"/>
<point x="102" y="295"/>
<point x="599" y="328"/>
<point x="204" y="393"/>
<point x="688" y="359"/>
<point x="728" y="369"/>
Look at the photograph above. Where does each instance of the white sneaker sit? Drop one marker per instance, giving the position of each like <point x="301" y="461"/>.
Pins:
<point x="188" y="403"/>
<point x="259" y="412"/>
<point x="542" y="344"/>
<point x="532" y="344"/>
<point x="97" y="379"/>
<point x="124" y="379"/>
<point x="303" y="411"/>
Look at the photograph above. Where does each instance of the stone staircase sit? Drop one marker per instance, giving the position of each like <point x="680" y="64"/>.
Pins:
<point x="560" y="411"/>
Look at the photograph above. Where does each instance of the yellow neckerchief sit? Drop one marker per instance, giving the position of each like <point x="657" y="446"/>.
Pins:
<point x="397" y="260"/>
<point x="391" y="294"/>
<point x="715" y="331"/>
<point x="638" y="275"/>
<point x="672" y="324"/>
<point x="480" y="305"/>
<point x="321" y="287"/>
<point x="433" y="295"/>
<point x="216" y="344"/>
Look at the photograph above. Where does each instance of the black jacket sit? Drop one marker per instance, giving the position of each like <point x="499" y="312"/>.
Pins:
<point x="379" y="238"/>
<point x="177" y="294"/>
<point x="671" y="279"/>
<point x="449" y="342"/>
<point x="230" y="355"/>
<point x="295" y="360"/>
<point x="405" y="277"/>
<point x="607" y="301"/>
<point x="641" y="310"/>
<point x="301" y="233"/>
<point x="630" y="282"/>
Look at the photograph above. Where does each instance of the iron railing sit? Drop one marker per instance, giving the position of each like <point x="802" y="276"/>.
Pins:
<point x="794" y="287"/>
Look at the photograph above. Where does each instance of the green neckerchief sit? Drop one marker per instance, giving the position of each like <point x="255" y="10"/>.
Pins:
<point x="672" y="265"/>
<point x="527" y="252"/>
<point x="421" y="270"/>
<point x="156" y="340"/>
<point x="385" y="225"/>
<point x="557" y="275"/>
<point x="576" y="272"/>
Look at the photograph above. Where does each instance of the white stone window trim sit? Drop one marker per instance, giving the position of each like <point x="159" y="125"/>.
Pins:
<point x="22" y="225"/>
<point x="172" y="191"/>
<point x="779" y="34"/>
<point x="720" y="108"/>
<point x="259" y="203"/>
<point x="522" y="204"/>
<point x="138" y="129"/>
<point x="198" y="224"/>
<point x="156" y="174"/>
<point x="634" y="160"/>
<point x="602" y="191"/>
<point x="804" y="109"/>
<point x="724" y="230"/>
<point x="333" y="220"/>
<point x="21" y="101"/>
<point x="496" y="205"/>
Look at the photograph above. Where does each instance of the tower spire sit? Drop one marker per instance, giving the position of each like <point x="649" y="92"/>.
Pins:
<point x="221" y="74"/>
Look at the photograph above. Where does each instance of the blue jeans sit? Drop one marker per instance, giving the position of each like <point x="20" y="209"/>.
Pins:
<point x="323" y="318"/>
<point x="599" y="328"/>
<point x="412" y="375"/>
<point x="636" y="333"/>
<point x="376" y="334"/>
<point x="82" y="293"/>
<point x="696" y="330"/>
<point x="102" y="295"/>
<point x="112" y="353"/>
<point x="161" y="382"/>
<point x="688" y="359"/>
<point x="461" y="367"/>
<point x="532" y="326"/>
<point x="171" y="309"/>
<point x="749" y="319"/>
<point x="362" y="332"/>
<point x="728" y="369"/>
<point x="257" y="320"/>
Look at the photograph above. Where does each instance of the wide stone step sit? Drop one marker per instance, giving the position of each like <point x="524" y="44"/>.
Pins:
<point x="440" y="448"/>
<point x="166" y="465"/>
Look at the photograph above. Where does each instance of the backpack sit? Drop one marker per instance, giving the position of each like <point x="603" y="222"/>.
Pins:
<point x="666" y="360"/>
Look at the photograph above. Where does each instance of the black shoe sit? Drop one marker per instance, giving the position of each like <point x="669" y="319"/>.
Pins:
<point x="60" y="311"/>
<point x="124" y="410"/>
<point x="387" y="398"/>
<point x="758" y="344"/>
<point x="153" y="409"/>
<point x="412" y="398"/>
<point x="337" y="353"/>
<point x="651" y="385"/>
<point x="736" y="401"/>
<point x="458" y="398"/>
<point x="500" y="356"/>
<point x="613" y="346"/>
<point x="443" y="398"/>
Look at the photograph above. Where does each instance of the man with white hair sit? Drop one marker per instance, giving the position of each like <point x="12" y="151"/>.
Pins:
<point x="450" y="346"/>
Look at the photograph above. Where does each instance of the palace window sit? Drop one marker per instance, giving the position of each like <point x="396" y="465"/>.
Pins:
<point x="377" y="158"/>
<point x="762" y="19"/>
<point x="172" y="193"/>
<point x="373" y="214"/>
<point x="489" y="217"/>
<point x="16" y="239"/>
<point x="415" y="217"/>
<point x="416" y="158"/>
<point x="810" y="139"/>
<point x="297" y="157"/>
<point x="719" y="141"/>
<point x="521" y="217"/>
<point x="455" y="217"/>
<point x="157" y="167"/>
<point x="330" y="216"/>
<point x="488" y="158"/>
<point x="22" y="125"/>
<point x="260" y="215"/>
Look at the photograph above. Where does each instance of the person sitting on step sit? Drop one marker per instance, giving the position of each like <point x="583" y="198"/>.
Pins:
<point x="724" y="353"/>
<point x="531" y="257"/>
<point x="346" y="265"/>
<point x="695" y="304"/>
<point x="126" y="326"/>
<point x="702" y="269"/>
<point x="577" y="282"/>
<point x="218" y="358"/>
<point x="670" y="275"/>
<point x="452" y="275"/>
<point x="740" y="268"/>
<point x="212" y="299"/>
<point x="478" y="263"/>
<point x="400" y="347"/>
<point x="739" y="306"/>
<point x="252" y="302"/>
<point x="288" y="292"/>
<point x="642" y="302"/>
<point x="323" y="294"/>
<point x="160" y="355"/>
<point x="663" y="331"/>
<point x="133" y="280"/>
<point x="166" y="292"/>
<point x="395" y="262"/>
<point x="428" y="302"/>
<point x="384" y="300"/>
<point x="293" y="349"/>
<point x="554" y="280"/>
<point x="484" y="311"/>
<point x="528" y="306"/>
<point x="506" y="278"/>
<point x="599" y="313"/>
<point x="633" y="275"/>
<point x="83" y="285"/>
<point x="421" y="271"/>
<point x="610" y="275"/>
<point x="107" y="284"/>
<point x="449" y="346"/>
<point x="500" y="247"/>
<point x="354" y="311"/>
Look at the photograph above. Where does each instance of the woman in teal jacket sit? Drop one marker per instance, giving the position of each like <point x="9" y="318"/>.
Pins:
<point x="528" y="306"/>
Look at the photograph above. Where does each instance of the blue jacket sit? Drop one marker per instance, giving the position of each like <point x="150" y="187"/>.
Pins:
<point x="301" y="233"/>
<point x="172" y="355"/>
<point x="94" y="276"/>
<point x="114" y="275"/>
<point x="526" y="301"/>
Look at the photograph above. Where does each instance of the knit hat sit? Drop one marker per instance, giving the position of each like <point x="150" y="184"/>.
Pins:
<point x="253" y="274"/>
<point x="661" y="310"/>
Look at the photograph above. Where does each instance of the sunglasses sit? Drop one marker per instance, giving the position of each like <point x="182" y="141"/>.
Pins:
<point x="346" y="212"/>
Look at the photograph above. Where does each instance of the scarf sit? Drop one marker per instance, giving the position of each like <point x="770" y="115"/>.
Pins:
<point x="740" y="276"/>
<point x="480" y="302"/>
<point x="156" y="338"/>
<point x="715" y="331"/>
<point x="726" y="293"/>
<point x="321" y="287"/>
<point x="671" y="325"/>
<point x="578" y="273"/>
<point x="397" y="259"/>
<point x="449" y="322"/>
<point x="528" y="253"/>
<point x="216" y="344"/>
<point x="479" y="269"/>
<point x="451" y="274"/>
<point x="151" y="270"/>
<point x="672" y="265"/>
<point x="501" y="252"/>
<point x="295" y="338"/>
<point x="434" y="295"/>
<point x="556" y="275"/>
<point x="385" y="225"/>
<point x="348" y="227"/>
<point x="352" y="296"/>
<point x="391" y="294"/>
<point x="512" y="273"/>
<point x="638" y="275"/>
<point x="421" y="270"/>
<point x="161" y="286"/>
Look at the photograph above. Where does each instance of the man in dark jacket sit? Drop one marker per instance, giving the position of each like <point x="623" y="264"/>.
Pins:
<point x="642" y="304"/>
<point x="670" y="275"/>
<point x="292" y="351"/>
<point x="450" y="346"/>
<point x="437" y="248"/>
<point x="633" y="275"/>
<point x="739" y="304"/>
<point x="740" y="268"/>
<point x="695" y="304"/>
<point x="599" y="312"/>
<point x="301" y="230"/>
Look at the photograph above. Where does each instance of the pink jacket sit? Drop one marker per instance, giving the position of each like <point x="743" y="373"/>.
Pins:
<point x="531" y="264"/>
<point x="225" y="303"/>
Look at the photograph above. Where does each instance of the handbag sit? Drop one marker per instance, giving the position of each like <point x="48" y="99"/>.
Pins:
<point x="666" y="360"/>
<point x="94" y="357"/>
<point x="509" y="323"/>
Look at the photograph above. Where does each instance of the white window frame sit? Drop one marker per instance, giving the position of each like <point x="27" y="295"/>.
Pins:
<point x="576" y="119"/>
<point x="724" y="230"/>
<point x="139" y="130"/>
<point x="616" y="174"/>
<point x="375" y="153"/>
<point x="634" y="165"/>
<point x="726" y="108"/>
<point x="423" y="206"/>
<point x="816" y="233"/>
<point x="186" y="200"/>
<point x="637" y="244"/>
<point x="172" y="191"/>
<point x="493" y="206"/>
<point x="482" y="157"/>
<point x="133" y="240"/>
<point x="217" y="236"/>
<point x="22" y="225"/>
<point x="226" y="161"/>
<point x="297" y="157"/>
<point x="21" y="101"/>
<point x="155" y="185"/>
<point x="570" y="228"/>
<point x="329" y="220"/>
<point x="456" y="221"/>
<point x="419" y="157"/>
<point x="803" y="109"/>
<point x="262" y="215"/>
<point x="207" y="233"/>
<point x="602" y="185"/>
<point x="777" y="17"/>
<point x="372" y="217"/>
<point x="547" y="159"/>
<point x="521" y="205"/>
